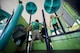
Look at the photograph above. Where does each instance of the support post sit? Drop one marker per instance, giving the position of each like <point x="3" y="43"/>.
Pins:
<point x="60" y="23"/>
<point x="46" y="31"/>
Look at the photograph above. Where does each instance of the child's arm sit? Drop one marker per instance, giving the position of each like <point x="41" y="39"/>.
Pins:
<point x="59" y="15"/>
<point x="50" y="23"/>
<point x="29" y="28"/>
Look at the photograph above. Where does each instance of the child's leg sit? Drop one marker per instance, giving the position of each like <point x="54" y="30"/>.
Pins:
<point x="57" y="25"/>
<point x="39" y="36"/>
<point x="54" y="29"/>
<point x="33" y="38"/>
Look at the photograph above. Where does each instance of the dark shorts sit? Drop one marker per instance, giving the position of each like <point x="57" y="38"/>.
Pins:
<point x="55" y="24"/>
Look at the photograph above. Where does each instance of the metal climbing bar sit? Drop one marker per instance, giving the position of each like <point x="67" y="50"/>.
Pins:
<point x="31" y="8"/>
<point x="65" y="33"/>
<point x="30" y="19"/>
<point x="60" y="23"/>
<point x="27" y="41"/>
<point x="47" y="37"/>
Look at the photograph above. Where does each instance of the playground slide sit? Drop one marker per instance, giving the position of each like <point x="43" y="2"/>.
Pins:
<point x="5" y="36"/>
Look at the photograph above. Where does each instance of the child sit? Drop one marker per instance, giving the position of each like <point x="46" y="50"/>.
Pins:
<point x="35" y="32"/>
<point x="53" y="21"/>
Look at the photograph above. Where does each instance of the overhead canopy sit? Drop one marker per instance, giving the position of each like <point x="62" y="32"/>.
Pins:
<point x="31" y="8"/>
<point x="51" y="6"/>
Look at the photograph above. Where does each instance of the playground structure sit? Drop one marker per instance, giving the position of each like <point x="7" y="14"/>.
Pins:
<point x="69" y="36"/>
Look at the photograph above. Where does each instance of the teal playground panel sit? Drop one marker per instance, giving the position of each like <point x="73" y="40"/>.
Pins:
<point x="10" y="27"/>
<point x="11" y="46"/>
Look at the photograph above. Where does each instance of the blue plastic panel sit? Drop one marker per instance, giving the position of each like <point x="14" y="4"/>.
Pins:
<point x="51" y="6"/>
<point x="31" y="7"/>
<point x="8" y="31"/>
